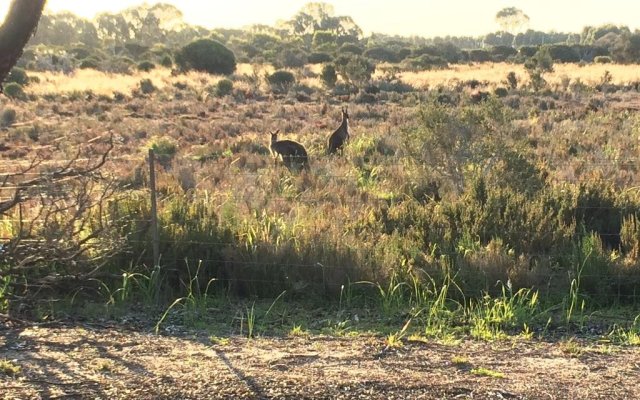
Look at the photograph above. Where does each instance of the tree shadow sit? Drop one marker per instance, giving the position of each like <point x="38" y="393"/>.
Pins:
<point x="50" y="367"/>
<point x="240" y="375"/>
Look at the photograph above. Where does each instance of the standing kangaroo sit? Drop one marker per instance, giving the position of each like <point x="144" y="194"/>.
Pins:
<point x="293" y="153"/>
<point x="341" y="135"/>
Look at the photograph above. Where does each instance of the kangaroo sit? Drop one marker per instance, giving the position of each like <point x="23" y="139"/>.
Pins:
<point x="293" y="153"/>
<point x="341" y="135"/>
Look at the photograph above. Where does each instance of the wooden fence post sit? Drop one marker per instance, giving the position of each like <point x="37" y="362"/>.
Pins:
<point x="154" y="210"/>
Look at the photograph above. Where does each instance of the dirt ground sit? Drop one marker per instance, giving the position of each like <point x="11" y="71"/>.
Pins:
<point x="110" y="362"/>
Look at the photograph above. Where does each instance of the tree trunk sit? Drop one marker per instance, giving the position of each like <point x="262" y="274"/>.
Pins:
<point x="15" y="32"/>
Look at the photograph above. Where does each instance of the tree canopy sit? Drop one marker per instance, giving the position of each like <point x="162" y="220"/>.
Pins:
<point x="512" y="19"/>
<point x="321" y="17"/>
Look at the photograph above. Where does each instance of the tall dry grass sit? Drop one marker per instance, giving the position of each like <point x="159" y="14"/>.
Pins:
<point x="495" y="73"/>
<point x="104" y="83"/>
<point x="406" y="196"/>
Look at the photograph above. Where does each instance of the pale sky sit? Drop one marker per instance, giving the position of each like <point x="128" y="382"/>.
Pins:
<point x="403" y="17"/>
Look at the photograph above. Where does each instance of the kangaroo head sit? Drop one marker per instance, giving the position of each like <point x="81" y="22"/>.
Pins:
<point x="345" y="114"/>
<point x="274" y="136"/>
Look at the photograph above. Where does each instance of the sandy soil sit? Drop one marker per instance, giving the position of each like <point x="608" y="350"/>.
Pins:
<point x="89" y="361"/>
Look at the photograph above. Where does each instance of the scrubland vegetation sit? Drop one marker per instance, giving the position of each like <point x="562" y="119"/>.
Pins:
<point x="474" y="198"/>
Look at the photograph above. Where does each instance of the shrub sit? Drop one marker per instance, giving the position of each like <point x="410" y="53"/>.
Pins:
<point x="28" y="56"/>
<point x="418" y="51"/>
<point x="301" y="93"/>
<point x="426" y="61"/>
<point x="119" y="96"/>
<point x="365" y="98"/>
<point x="372" y="89"/>
<point x="207" y="55"/>
<point x="381" y="54"/>
<point x="501" y="92"/>
<point x="80" y="53"/>
<point x="350" y="48"/>
<point x="449" y="52"/>
<point x="19" y="76"/>
<point x="166" y="62"/>
<point x="329" y="77"/>
<point x="527" y="51"/>
<point x="89" y="63"/>
<point x="165" y="149"/>
<point x="292" y="58"/>
<point x="319" y="58"/>
<point x="147" y="86"/>
<point x="224" y="87"/>
<point x="479" y="55"/>
<point x="563" y="53"/>
<point x="404" y="53"/>
<point x="8" y="117"/>
<point x="355" y="70"/>
<point x="323" y="38"/>
<point x="281" y="81"/>
<point x="512" y="80"/>
<point x="343" y="89"/>
<point x="603" y="60"/>
<point x="501" y="53"/>
<point x="146" y="66"/>
<point x="537" y="66"/>
<point x="394" y="85"/>
<point x="14" y="91"/>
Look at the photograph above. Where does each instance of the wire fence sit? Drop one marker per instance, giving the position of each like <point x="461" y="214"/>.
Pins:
<point x="155" y="244"/>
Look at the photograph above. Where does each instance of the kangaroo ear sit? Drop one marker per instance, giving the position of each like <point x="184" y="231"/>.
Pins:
<point x="277" y="131"/>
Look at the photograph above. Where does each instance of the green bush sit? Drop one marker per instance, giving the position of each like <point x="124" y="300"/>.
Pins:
<point x="563" y="53"/>
<point x="28" y="56"/>
<point x="394" y="85"/>
<point x="8" y="117"/>
<point x="350" y="48"/>
<point x="208" y="56"/>
<point x="292" y="58"/>
<point x="146" y="86"/>
<point x="165" y="149"/>
<point x="603" y="60"/>
<point x="512" y="80"/>
<point x="479" y="55"/>
<point x="89" y="63"/>
<point x="19" y="76"/>
<point x="166" y="62"/>
<point x="80" y="53"/>
<point x="426" y="61"/>
<point x="404" y="53"/>
<point x="224" y="87"/>
<point x="537" y="66"/>
<point x="319" y="58"/>
<point x="502" y="53"/>
<point x="355" y="70"/>
<point x="431" y="50"/>
<point x="14" y="91"/>
<point x="365" y="98"/>
<point x="501" y="92"/>
<point x="527" y="51"/>
<point x="329" y="77"/>
<point x="381" y="54"/>
<point x="281" y="81"/>
<point x="146" y="66"/>
<point x="323" y="39"/>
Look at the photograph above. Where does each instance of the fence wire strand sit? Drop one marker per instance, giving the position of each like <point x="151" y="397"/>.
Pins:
<point x="231" y="169"/>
